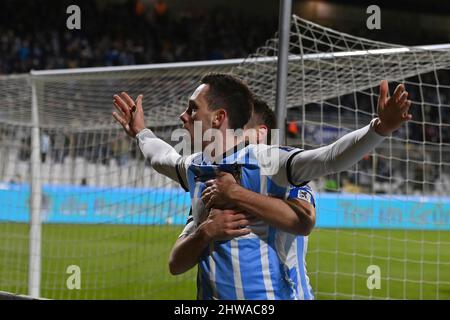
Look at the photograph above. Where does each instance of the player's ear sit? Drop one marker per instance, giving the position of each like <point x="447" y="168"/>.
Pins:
<point x="218" y="118"/>
<point x="262" y="133"/>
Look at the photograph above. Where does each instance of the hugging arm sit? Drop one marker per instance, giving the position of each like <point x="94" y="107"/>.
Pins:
<point x="220" y="225"/>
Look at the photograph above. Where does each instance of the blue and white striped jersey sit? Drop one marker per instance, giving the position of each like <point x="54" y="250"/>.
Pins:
<point x="266" y="264"/>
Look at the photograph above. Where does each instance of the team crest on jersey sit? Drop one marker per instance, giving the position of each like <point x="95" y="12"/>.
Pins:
<point x="304" y="195"/>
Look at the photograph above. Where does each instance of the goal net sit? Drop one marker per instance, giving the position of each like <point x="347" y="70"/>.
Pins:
<point x="107" y="221"/>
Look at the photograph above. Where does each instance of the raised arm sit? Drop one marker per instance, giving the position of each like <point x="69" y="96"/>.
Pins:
<point x="303" y="166"/>
<point x="307" y="165"/>
<point x="162" y="156"/>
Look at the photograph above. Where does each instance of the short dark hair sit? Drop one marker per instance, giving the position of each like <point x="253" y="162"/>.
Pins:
<point x="231" y="93"/>
<point x="262" y="115"/>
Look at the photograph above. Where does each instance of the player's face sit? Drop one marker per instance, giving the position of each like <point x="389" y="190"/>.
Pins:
<point x="197" y="111"/>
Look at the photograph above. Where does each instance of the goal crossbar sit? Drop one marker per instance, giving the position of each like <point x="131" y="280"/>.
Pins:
<point x="234" y="62"/>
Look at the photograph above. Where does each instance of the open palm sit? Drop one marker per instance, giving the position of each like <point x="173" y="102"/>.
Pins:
<point x="392" y="111"/>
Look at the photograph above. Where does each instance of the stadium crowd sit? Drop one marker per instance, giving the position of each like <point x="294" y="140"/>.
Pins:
<point x="139" y="32"/>
<point x="134" y="32"/>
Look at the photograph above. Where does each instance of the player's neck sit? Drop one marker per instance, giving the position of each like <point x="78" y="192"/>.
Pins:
<point x="217" y="150"/>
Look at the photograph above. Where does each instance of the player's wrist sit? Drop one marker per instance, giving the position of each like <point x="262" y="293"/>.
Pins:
<point x="139" y="129"/>
<point x="381" y="128"/>
<point x="234" y="193"/>
<point x="145" y="132"/>
<point x="204" y="233"/>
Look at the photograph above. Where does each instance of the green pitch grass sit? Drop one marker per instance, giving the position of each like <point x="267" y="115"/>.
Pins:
<point x="130" y="262"/>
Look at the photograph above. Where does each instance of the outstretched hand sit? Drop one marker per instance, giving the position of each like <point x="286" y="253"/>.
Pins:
<point x="130" y="113"/>
<point x="392" y="111"/>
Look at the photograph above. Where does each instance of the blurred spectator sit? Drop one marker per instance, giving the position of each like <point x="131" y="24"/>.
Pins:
<point x="60" y="149"/>
<point x="292" y="129"/>
<point x="120" y="150"/>
<point x="45" y="145"/>
<point x="24" y="151"/>
<point x="139" y="8"/>
<point x="160" y="10"/>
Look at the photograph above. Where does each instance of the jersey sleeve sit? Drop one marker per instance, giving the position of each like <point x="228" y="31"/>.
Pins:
<point x="275" y="162"/>
<point x="163" y="157"/>
<point x="190" y="225"/>
<point x="304" y="193"/>
<point x="292" y="166"/>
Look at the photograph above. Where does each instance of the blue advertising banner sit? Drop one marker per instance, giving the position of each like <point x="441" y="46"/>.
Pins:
<point x="337" y="210"/>
<point x="93" y="205"/>
<point x="89" y="205"/>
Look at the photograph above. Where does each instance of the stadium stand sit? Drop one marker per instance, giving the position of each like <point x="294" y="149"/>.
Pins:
<point x="52" y="46"/>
